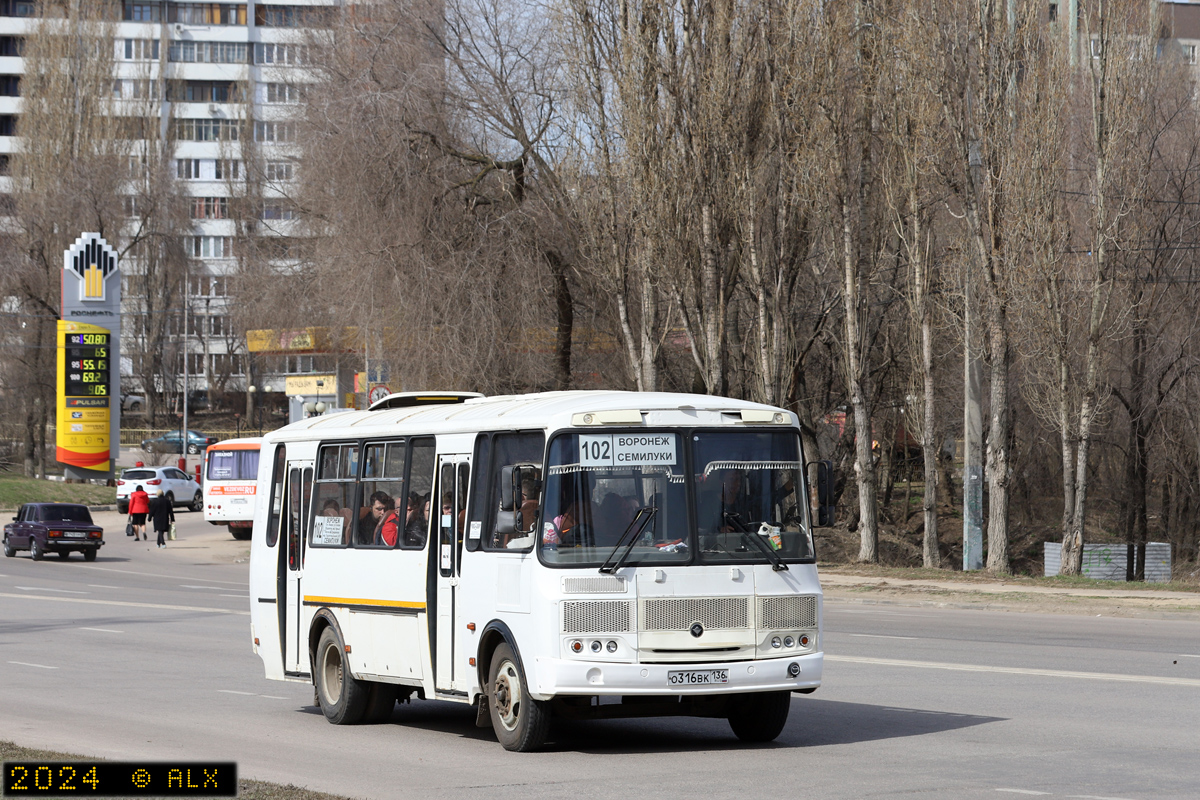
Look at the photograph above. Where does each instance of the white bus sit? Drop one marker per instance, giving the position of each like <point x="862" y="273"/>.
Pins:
<point x="568" y="554"/>
<point x="230" y="484"/>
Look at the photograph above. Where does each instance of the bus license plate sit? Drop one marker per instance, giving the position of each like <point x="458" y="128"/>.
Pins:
<point x="697" y="677"/>
<point x="74" y="534"/>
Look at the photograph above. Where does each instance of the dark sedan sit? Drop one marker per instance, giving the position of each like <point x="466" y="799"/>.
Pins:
<point x="171" y="442"/>
<point x="59" y="528"/>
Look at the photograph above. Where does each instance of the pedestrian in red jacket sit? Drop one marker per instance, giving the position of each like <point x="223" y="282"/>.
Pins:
<point x="139" y="507"/>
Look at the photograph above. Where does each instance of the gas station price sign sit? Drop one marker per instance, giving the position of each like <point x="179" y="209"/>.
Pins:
<point x="85" y="386"/>
<point x="86" y="365"/>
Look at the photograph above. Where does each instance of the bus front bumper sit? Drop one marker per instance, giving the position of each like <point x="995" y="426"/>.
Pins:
<point x="556" y="676"/>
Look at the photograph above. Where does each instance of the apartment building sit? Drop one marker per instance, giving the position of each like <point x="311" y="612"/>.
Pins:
<point x="229" y="77"/>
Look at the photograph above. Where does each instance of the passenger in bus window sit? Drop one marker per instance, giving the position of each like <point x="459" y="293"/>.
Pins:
<point x="389" y="527"/>
<point x="415" y="521"/>
<point x="370" y="521"/>
<point x="562" y="528"/>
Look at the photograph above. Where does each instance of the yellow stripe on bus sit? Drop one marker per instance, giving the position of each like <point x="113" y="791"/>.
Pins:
<point x="360" y="601"/>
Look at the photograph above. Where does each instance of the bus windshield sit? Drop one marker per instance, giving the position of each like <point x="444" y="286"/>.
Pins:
<point x="232" y="465"/>
<point x="749" y="484"/>
<point x="597" y="484"/>
<point x="745" y="484"/>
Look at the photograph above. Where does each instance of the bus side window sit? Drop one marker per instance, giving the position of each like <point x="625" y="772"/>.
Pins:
<point x="380" y="516"/>
<point x="334" y="498"/>
<point x="418" y="505"/>
<point x="514" y="453"/>
<point x="479" y="490"/>
<point x="276" y="517"/>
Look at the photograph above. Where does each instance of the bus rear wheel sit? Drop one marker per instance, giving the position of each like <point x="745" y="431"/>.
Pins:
<point x="759" y="717"/>
<point x="343" y="698"/>
<point x="521" y="723"/>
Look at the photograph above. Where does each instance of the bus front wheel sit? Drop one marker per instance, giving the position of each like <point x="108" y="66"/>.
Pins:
<point x="521" y="723"/>
<point x="343" y="698"/>
<point x="759" y="717"/>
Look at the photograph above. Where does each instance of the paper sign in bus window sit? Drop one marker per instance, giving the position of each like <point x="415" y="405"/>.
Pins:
<point x="327" y="530"/>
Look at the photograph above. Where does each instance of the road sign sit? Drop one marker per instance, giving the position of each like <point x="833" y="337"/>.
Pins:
<point x="378" y="392"/>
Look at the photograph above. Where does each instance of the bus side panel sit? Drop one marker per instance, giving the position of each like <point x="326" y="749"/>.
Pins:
<point x="500" y="586"/>
<point x="378" y="597"/>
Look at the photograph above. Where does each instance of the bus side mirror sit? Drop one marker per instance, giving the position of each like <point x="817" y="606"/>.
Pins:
<point x="506" y="517"/>
<point x="507" y="477"/>
<point x="825" y="504"/>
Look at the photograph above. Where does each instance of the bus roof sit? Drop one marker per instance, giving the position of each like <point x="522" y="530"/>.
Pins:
<point x="245" y="443"/>
<point x="547" y="410"/>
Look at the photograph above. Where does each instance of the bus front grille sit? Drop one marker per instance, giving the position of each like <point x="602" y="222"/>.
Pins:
<point x="787" y="613"/>
<point x="680" y="613"/>
<point x="597" y="616"/>
<point x="602" y="584"/>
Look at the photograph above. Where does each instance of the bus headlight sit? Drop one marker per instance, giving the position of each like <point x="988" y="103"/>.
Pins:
<point x="596" y="646"/>
<point x="788" y="641"/>
<point x="775" y="642"/>
<point x="612" y="647"/>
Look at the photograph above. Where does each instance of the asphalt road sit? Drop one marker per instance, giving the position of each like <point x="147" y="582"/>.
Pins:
<point x="145" y="654"/>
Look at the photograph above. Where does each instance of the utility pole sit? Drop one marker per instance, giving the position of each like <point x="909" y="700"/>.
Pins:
<point x="972" y="412"/>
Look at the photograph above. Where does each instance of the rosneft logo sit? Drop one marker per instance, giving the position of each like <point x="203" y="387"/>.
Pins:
<point x="93" y="262"/>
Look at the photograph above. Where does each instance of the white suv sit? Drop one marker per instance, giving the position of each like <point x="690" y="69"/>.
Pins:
<point x="176" y="484"/>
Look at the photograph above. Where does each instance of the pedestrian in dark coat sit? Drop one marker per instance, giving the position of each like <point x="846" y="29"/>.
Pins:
<point x="163" y="513"/>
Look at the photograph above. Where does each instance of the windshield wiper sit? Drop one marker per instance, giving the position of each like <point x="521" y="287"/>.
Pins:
<point x="649" y="512"/>
<point x="756" y="540"/>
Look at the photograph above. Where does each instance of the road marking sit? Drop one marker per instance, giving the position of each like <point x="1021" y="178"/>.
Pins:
<point x="190" y="586"/>
<point x="1095" y="797"/>
<point x="163" y="606"/>
<point x="103" y="586"/>
<point x="882" y="636"/>
<point x="273" y="697"/>
<point x="1048" y="673"/>
<point x="45" y="589"/>
<point x="101" y="630"/>
<point x="1189" y="655"/>
<point x="155" y="574"/>
<point x="231" y="691"/>
<point x="1021" y="791"/>
<point x="239" y="596"/>
<point x="27" y="664"/>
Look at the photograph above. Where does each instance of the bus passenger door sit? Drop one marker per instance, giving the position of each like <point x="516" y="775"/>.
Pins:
<point x="448" y="504"/>
<point x="299" y="496"/>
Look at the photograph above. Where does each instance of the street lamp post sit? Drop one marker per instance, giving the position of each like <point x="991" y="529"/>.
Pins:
<point x="251" y="390"/>
<point x="318" y="407"/>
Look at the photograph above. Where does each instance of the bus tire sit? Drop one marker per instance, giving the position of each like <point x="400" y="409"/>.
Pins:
<point x="759" y="717"/>
<point x="342" y="697"/>
<point x="521" y="723"/>
<point x="241" y="534"/>
<point x="381" y="702"/>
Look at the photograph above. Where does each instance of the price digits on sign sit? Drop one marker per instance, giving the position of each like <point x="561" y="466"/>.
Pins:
<point x="158" y="779"/>
<point x="86" y="366"/>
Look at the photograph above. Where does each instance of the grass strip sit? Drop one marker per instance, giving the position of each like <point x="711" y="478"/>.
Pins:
<point x="17" y="489"/>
